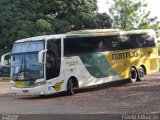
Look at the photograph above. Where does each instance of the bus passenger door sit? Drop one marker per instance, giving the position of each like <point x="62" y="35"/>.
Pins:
<point x="53" y="63"/>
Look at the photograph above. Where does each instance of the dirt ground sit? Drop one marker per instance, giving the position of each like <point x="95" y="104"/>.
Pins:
<point x="116" y="98"/>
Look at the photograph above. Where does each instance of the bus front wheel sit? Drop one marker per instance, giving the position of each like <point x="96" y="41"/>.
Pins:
<point x="70" y="87"/>
<point x="133" y="75"/>
<point x="141" y="74"/>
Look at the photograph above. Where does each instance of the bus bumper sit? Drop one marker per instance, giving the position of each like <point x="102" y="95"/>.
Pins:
<point x="38" y="90"/>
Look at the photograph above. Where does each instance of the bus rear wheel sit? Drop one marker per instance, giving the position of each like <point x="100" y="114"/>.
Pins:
<point x="141" y="74"/>
<point x="70" y="86"/>
<point x="133" y="75"/>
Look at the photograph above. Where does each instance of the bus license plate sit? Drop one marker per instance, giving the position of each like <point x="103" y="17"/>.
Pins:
<point x="25" y="91"/>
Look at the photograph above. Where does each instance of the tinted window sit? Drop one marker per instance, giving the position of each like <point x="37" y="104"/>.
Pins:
<point x="127" y="42"/>
<point x="53" y="58"/>
<point x="146" y="41"/>
<point x="75" y="46"/>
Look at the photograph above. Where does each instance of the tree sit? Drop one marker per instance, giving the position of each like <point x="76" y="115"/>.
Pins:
<point x="103" y="21"/>
<point x="26" y="18"/>
<point x="129" y="14"/>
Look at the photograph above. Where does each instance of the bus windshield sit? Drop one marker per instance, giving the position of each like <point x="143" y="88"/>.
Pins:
<point x="26" y="67"/>
<point x="25" y="64"/>
<point x="28" y="47"/>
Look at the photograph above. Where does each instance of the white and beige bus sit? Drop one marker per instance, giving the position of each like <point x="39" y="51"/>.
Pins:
<point x="49" y="64"/>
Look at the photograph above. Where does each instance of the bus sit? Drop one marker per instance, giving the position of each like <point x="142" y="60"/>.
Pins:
<point x="44" y="65"/>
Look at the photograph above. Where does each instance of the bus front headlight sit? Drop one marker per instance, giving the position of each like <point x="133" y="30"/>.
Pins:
<point x="40" y="83"/>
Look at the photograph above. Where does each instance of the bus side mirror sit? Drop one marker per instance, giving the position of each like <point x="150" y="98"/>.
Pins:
<point x="41" y="56"/>
<point x="6" y="59"/>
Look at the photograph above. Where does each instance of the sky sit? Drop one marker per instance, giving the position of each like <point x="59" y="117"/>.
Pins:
<point x="153" y="6"/>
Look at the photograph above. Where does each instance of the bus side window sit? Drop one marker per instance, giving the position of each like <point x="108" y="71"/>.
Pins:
<point x="128" y="42"/>
<point x="145" y="40"/>
<point x="110" y="43"/>
<point x="142" y="41"/>
<point x="150" y="41"/>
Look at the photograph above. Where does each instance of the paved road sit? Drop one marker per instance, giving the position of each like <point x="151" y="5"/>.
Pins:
<point x="114" y="98"/>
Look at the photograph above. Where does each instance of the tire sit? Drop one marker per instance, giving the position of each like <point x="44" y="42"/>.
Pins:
<point x="141" y="74"/>
<point x="70" y="86"/>
<point x="133" y="75"/>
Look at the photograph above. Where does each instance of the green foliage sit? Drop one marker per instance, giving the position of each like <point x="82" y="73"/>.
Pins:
<point x="103" y="21"/>
<point x="26" y="18"/>
<point x="129" y="14"/>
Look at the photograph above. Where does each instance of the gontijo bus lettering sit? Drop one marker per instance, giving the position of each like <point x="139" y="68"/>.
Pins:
<point x="125" y="55"/>
<point x="49" y="64"/>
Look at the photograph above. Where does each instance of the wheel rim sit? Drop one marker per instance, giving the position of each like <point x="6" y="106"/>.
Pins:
<point x="141" y="73"/>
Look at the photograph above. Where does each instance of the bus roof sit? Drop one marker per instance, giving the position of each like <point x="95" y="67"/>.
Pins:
<point x="108" y="31"/>
<point x="94" y="31"/>
<point x="36" y="38"/>
<point x="86" y="33"/>
<point x="140" y="31"/>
